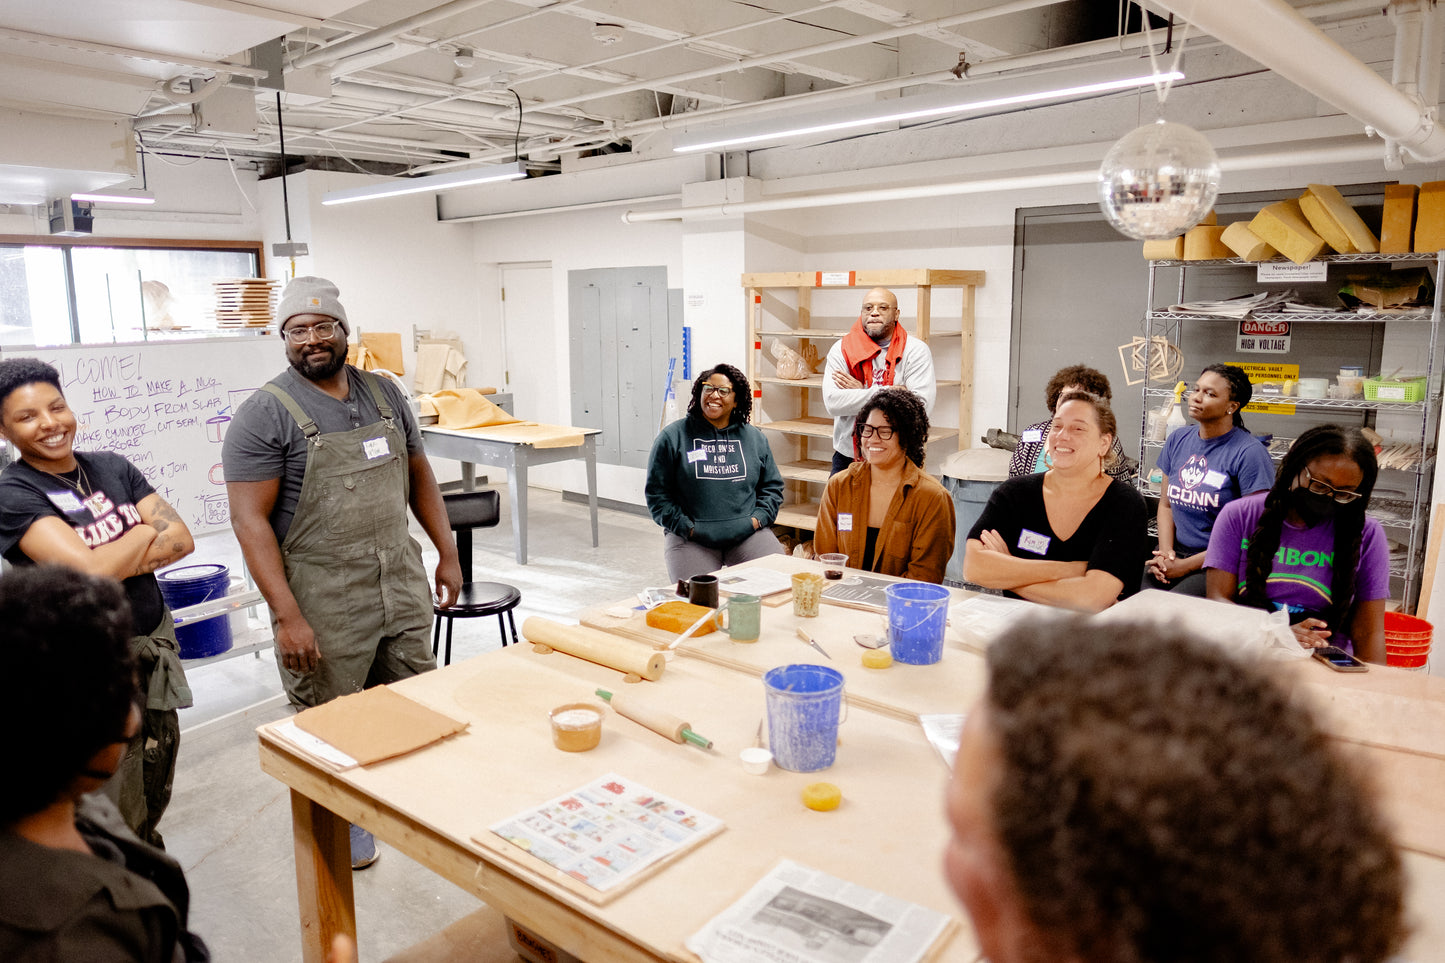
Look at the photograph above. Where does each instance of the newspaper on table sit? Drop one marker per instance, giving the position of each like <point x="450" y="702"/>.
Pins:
<point x="608" y="831"/>
<point x="799" y="915"/>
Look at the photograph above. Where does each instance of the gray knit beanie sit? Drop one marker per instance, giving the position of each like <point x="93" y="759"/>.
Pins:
<point x="309" y="295"/>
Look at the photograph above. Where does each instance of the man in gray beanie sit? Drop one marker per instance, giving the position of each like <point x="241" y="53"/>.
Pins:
<point x="320" y="465"/>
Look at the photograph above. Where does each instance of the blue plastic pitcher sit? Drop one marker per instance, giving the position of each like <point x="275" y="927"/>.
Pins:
<point x="917" y="616"/>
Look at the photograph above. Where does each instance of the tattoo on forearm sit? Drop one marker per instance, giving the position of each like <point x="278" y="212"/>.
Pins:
<point x="164" y="517"/>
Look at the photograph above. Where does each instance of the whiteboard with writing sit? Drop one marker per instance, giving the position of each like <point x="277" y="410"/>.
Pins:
<point x="165" y="406"/>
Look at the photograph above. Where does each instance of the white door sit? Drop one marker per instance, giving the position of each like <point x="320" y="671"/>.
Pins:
<point x="535" y="364"/>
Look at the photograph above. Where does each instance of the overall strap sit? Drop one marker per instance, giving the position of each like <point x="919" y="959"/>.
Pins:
<point x="373" y="385"/>
<point x="305" y="421"/>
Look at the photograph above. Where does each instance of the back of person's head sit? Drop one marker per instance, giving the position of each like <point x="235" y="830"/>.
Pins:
<point x="72" y="679"/>
<point x="19" y="372"/>
<point x="1092" y="380"/>
<point x="906" y="416"/>
<point x="1158" y="800"/>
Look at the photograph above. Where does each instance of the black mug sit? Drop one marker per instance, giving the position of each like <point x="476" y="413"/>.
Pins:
<point x="699" y="590"/>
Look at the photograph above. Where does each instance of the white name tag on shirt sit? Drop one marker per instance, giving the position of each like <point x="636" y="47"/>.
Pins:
<point x="1032" y="435"/>
<point x="1215" y="479"/>
<point x="845" y="521"/>
<point x="376" y="448"/>
<point x="65" y="501"/>
<point x="1034" y="542"/>
<point x="697" y="455"/>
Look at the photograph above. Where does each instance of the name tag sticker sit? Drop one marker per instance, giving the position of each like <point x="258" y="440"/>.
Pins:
<point x="1032" y="435"/>
<point x="1215" y="479"/>
<point x="1034" y="542"/>
<point x="65" y="501"/>
<point x="376" y="448"/>
<point x="697" y="455"/>
<point x="845" y="521"/>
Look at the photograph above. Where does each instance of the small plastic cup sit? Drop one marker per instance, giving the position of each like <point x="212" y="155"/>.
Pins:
<point x="576" y="727"/>
<point x="755" y="760"/>
<point x="833" y="565"/>
<point x="807" y="591"/>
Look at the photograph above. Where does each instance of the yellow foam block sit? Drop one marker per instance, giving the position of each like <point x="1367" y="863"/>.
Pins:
<point x="1169" y="249"/>
<point x="1208" y="220"/>
<point x="1245" y="244"/>
<point x="1325" y="225"/>
<point x="822" y="796"/>
<point x="676" y="616"/>
<point x="1203" y="243"/>
<point x="1430" y="217"/>
<point x="1361" y="237"/>
<point x="1397" y="226"/>
<point x="1282" y="225"/>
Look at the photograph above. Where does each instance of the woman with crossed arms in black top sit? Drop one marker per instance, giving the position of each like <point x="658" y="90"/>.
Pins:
<point x="1072" y="536"/>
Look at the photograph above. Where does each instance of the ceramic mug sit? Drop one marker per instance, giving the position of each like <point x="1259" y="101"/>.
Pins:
<point x="744" y="617"/>
<point x="699" y="590"/>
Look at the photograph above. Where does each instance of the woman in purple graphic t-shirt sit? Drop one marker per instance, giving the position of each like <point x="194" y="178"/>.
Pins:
<point x="1307" y="545"/>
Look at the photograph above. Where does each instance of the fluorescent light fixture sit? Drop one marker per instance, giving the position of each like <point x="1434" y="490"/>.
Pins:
<point x="974" y="97"/>
<point x="132" y="195"/>
<point x="432" y="183"/>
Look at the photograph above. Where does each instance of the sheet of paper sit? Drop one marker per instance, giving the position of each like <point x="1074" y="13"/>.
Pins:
<point x="608" y="831"/>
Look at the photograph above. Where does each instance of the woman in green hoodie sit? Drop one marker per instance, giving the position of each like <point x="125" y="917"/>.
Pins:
<point x="711" y="480"/>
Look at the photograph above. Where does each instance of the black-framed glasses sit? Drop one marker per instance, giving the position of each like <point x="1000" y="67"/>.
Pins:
<point x="325" y="330"/>
<point x="1340" y="495"/>
<point x="722" y="391"/>
<point x="882" y="431"/>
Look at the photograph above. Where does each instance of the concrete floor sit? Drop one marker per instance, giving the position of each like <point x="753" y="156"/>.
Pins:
<point x="230" y="825"/>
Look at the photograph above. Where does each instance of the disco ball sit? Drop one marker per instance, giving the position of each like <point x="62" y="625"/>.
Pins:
<point x="1158" y="181"/>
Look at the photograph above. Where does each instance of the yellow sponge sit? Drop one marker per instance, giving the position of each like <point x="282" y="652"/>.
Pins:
<point x="877" y="659"/>
<point x="1325" y="225"/>
<point x="1203" y="243"/>
<point x="1430" y="218"/>
<point x="822" y="796"/>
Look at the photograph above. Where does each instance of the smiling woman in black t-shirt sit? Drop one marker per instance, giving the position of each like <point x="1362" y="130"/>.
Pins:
<point x="94" y="512"/>
<point x="1072" y="536"/>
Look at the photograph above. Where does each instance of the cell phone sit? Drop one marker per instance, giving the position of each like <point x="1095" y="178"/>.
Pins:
<point x="1339" y="660"/>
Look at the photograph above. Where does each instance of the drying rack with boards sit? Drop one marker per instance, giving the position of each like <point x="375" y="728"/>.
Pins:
<point x="810" y="311"/>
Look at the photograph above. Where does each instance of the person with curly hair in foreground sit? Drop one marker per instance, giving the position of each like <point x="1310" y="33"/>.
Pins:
<point x="884" y="512"/>
<point x="75" y="882"/>
<point x="1124" y="794"/>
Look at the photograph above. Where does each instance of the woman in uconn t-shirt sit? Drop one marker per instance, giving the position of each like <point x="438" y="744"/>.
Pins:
<point x="1307" y="545"/>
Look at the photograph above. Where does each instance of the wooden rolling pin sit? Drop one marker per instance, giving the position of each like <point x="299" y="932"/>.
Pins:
<point x="597" y="646"/>
<point x="662" y="723"/>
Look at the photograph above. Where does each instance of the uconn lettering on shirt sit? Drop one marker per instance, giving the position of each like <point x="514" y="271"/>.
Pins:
<point x="111" y="520"/>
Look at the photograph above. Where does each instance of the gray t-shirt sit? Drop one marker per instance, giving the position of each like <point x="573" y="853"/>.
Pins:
<point x="264" y="442"/>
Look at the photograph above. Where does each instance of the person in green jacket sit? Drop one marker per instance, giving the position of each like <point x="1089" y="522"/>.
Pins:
<point x="712" y="483"/>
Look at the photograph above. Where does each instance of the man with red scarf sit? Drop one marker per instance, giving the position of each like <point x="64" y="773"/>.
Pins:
<point x="875" y="353"/>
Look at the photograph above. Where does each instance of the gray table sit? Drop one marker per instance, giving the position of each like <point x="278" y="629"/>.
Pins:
<point x="516" y="458"/>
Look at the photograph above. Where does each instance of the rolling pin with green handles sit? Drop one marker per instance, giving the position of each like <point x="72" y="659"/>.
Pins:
<point x="662" y="723"/>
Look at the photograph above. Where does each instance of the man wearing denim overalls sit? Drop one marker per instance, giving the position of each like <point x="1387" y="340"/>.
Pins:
<point x="320" y="465"/>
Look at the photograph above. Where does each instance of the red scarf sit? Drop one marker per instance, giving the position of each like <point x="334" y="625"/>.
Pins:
<point x="859" y="350"/>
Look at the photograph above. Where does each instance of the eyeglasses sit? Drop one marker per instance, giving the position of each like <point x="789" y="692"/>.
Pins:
<point x="882" y="431"/>
<point x="1341" y="496"/>
<point x="325" y="330"/>
<point x="722" y="391"/>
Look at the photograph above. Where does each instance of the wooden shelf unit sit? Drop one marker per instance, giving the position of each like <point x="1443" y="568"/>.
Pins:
<point x="780" y="305"/>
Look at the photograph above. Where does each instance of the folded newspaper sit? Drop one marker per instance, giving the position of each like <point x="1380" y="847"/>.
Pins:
<point x="799" y="915"/>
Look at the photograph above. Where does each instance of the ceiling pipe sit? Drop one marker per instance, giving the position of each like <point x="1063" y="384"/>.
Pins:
<point x="372" y="39"/>
<point x="1339" y="154"/>
<point x="129" y="53"/>
<point x="488" y="113"/>
<point x="1275" y="35"/>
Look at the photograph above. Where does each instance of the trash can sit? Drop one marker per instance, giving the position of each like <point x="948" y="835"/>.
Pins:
<point x="970" y="476"/>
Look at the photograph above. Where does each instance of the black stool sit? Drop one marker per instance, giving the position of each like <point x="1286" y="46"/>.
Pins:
<point x="466" y="511"/>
